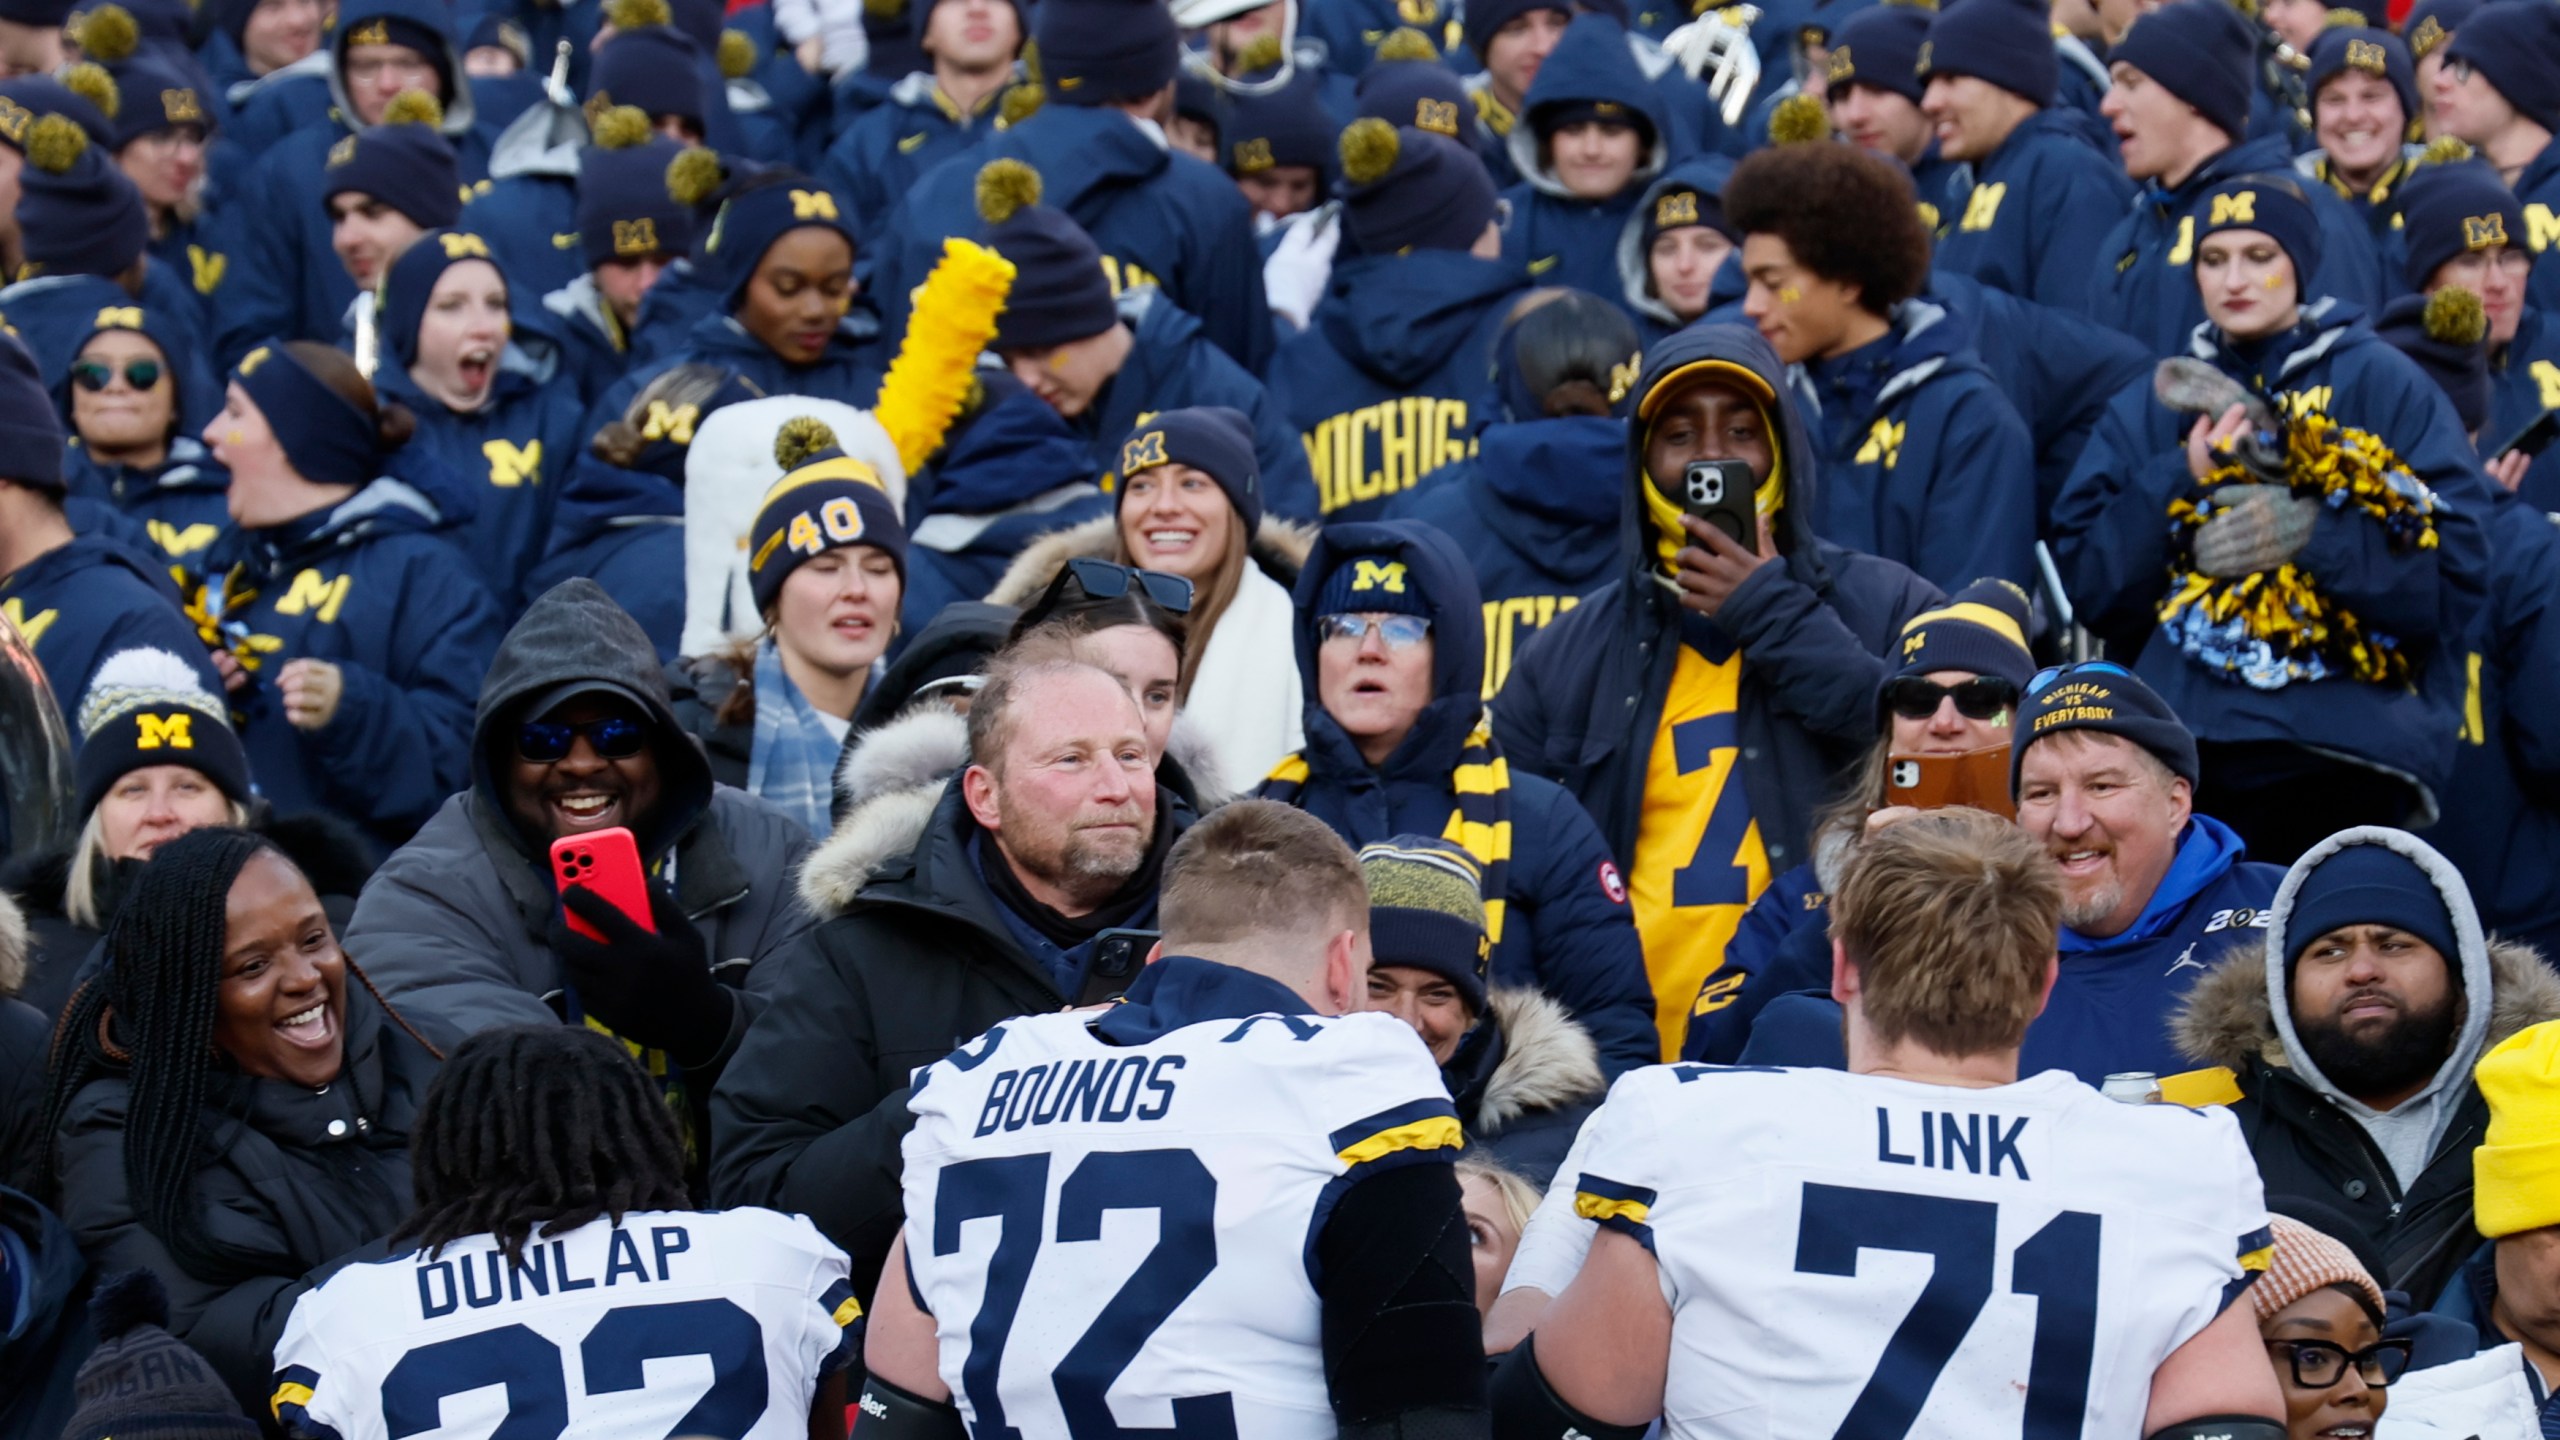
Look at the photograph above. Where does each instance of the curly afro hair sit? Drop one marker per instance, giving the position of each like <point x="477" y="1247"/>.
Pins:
<point x="1846" y="214"/>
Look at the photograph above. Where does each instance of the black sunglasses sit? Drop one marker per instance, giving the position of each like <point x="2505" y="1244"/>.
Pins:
<point x="614" y="737"/>
<point x="1103" y="580"/>
<point x="93" y="375"/>
<point x="2317" y="1364"/>
<point x="1984" y="697"/>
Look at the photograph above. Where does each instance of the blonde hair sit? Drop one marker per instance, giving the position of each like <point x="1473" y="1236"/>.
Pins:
<point x="1519" y="1197"/>
<point x="89" y="862"/>
<point x="1209" y="598"/>
<point x="1950" y="919"/>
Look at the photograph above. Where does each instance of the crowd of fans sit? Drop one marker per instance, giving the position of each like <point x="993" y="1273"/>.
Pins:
<point x="1813" y="545"/>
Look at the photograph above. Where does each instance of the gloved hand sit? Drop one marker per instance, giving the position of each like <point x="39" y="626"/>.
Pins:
<point x="1293" y="279"/>
<point x="655" y="989"/>
<point x="2263" y="530"/>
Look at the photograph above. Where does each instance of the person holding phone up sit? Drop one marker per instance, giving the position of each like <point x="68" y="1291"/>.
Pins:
<point x="1700" y="705"/>
<point x="576" y="735"/>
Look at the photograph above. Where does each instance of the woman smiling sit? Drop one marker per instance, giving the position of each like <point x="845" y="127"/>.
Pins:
<point x="230" y="1110"/>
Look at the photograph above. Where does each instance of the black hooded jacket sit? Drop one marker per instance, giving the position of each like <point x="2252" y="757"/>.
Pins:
<point x="456" y="922"/>
<point x="1584" y="699"/>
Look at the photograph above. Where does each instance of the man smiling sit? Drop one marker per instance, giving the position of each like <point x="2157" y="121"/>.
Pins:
<point x="575" y="734"/>
<point x="2153" y="894"/>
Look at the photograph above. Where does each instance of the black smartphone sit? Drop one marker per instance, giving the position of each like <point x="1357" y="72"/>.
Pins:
<point x="2534" y="438"/>
<point x="1118" y="954"/>
<point x="1720" y="493"/>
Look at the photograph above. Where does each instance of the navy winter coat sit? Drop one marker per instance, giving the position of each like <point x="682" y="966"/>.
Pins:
<point x="2058" y="369"/>
<point x="1557" y="237"/>
<point x="1535" y="511"/>
<point x="878" y="158"/>
<point x="181" y="505"/>
<point x="1394" y="376"/>
<point x="516" y="451"/>
<point x="2027" y="217"/>
<point x="2112" y="545"/>
<point x="1159" y="217"/>
<point x="2142" y="273"/>
<point x="1174" y="366"/>
<point x="1922" y="460"/>
<point x="1006" y="476"/>
<point x="84" y="601"/>
<point x="371" y="588"/>
<point x="1563" y="930"/>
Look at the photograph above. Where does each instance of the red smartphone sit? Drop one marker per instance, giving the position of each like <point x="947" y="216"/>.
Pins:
<point x="607" y="862"/>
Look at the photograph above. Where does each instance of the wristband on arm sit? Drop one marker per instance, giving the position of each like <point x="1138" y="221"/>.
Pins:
<point x="889" y="1413"/>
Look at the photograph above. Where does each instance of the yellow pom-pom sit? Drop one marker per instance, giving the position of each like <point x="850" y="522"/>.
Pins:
<point x="638" y="14"/>
<point x="693" y="175"/>
<point x="2343" y="19"/>
<point x="1929" y="5"/>
<point x="54" y="143"/>
<point x="1799" y="118"/>
<point x="1262" y="53"/>
<point x="413" y="107"/>
<point x="108" y="33"/>
<point x="950" y="323"/>
<point x="2445" y="150"/>
<point x="1031" y="61"/>
<point x="1005" y="187"/>
<point x="737" y="55"/>
<point x="801" y="436"/>
<point x="93" y="84"/>
<point x="2454" y="317"/>
<point x="1407" y="43"/>
<point x="884" y="9"/>
<point x="620" y="127"/>
<point x="1369" y="148"/>
<point x="1020" y="103"/>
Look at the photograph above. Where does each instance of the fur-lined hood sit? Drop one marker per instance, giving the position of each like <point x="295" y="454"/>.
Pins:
<point x="893" y="776"/>
<point x="1549" y="1060"/>
<point x="1280" y="547"/>
<point x="13" y="947"/>
<point x="2227" y="1020"/>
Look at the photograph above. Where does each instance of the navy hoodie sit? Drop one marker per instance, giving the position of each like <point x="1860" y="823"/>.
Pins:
<point x="1535" y="512"/>
<point x="368" y="586"/>
<point x="2058" y="369"/>
<point x="79" y="603"/>
<point x="2143" y="279"/>
<point x="2111" y="541"/>
<point x="1394" y="376"/>
<point x="877" y="159"/>
<point x="56" y="314"/>
<point x="281" y="279"/>
<point x="1633" y="287"/>
<point x="1565" y="931"/>
<point x="1922" y="459"/>
<point x="1159" y="217"/>
<point x="2027" y="217"/>
<point x="1553" y="235"/>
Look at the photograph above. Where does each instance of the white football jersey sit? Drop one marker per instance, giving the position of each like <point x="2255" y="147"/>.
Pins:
<point x="1858" y="1256"/>
<point x="1114" y="1236"/>
<point x="674" y="1322"/>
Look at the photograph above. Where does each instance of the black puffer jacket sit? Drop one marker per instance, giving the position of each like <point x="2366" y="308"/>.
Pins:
<point x="915" y="961"/>
<point x="287" y="1180"/>
<point x="2309" y="1146"/>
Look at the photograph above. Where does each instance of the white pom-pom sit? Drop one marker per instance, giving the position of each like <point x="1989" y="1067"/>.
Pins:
<point x="146" y="668"/>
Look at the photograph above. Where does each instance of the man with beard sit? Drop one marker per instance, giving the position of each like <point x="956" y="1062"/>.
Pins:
<point x="2104" y="776"/>
<point x="1052" y="839"/>
<point x="2352" y="1034"/>
<point x="576" y="733"/>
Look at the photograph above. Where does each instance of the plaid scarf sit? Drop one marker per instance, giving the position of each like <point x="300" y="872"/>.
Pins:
<point x="793" y="760"/>
<point x="1480" y="824"/>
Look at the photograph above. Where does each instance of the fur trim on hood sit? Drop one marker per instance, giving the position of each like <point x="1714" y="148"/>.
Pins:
<point x="1280" y="547"/>
<point x="891" y="779"/>
<point x="13" y="947"/>
<point x="2226" y="1020"/>
<point x="1548" y="1060"/>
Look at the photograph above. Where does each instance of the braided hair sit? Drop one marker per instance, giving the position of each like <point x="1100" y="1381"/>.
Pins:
<point x="548" y="1125"/>
<point x="161" y="989"/>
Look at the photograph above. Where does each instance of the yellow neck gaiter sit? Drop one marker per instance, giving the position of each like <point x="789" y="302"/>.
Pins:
<point x="1669" y="538"/>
